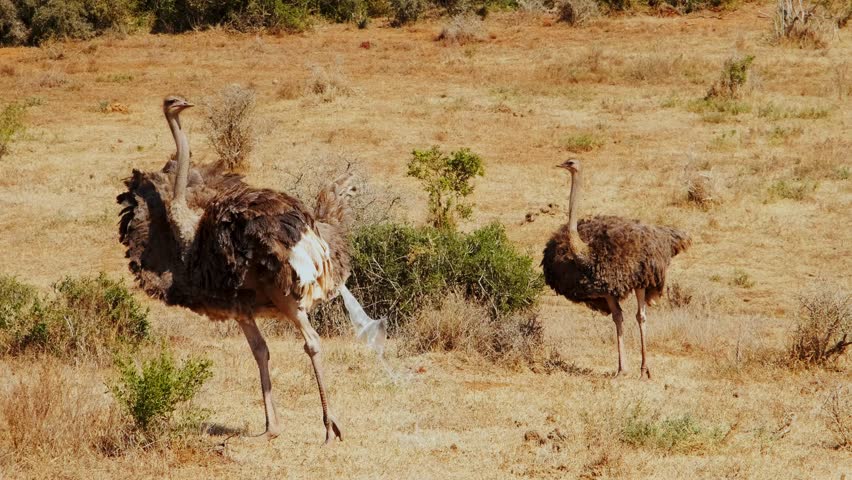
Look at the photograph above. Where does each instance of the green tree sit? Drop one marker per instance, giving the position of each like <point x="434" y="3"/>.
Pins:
<point x="447" y="180"/>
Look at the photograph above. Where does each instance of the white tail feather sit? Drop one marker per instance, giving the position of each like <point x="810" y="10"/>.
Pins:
<point x="372" y="332"/>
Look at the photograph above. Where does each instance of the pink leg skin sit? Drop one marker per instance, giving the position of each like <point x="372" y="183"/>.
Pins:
<point x="645" y="372"/>
<point x="618" y="318"/>
<point x="261" y="355"/>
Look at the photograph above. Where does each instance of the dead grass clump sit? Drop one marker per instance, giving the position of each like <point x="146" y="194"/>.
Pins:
<point x="827" y="160"/>
<point x="803" y="24"/>
<point x="734" y="79"/>
<point x="577" y="12"/>
<point x="462" y="29"/>
<point x="52" y="79"/>
<point x="837" y="414"/>
<point x="678" y="295"/>
<point x="231" y="128"/>
<point x="48" y="414"/>
<point x="328" y="85"/>
<point x="459" y="325"/>
<point x="823" y="328"/>
<point x="700" y="190"/>
<point x="8" y="71"/>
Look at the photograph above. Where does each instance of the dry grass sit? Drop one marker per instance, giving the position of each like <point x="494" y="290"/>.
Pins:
<point x="442" y="415"/>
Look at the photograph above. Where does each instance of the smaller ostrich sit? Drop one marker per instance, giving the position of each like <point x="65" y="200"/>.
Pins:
<point x="599" y="261"/>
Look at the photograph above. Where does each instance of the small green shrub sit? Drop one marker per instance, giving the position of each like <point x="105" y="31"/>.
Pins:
<point x="151" y="395"/>
<point x="823" y="328"/>
<point x="583" y="142"/>
<point x="84" y="317"/>
<point x="11" y="126"/>
<point x="733" y="80"/>
<point x="399" y="269"/>
<point x="446" y="178"/>
<point x="792" y="190"/>
<point x="680" y="434"/>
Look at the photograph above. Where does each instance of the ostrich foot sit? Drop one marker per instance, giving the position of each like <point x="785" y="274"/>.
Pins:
<point x="645" y="373"/>
<point x="331" y="430"/>
<point x="619" y="374"/>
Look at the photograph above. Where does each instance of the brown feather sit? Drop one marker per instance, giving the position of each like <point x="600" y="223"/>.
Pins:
<point x="624" y="255"/>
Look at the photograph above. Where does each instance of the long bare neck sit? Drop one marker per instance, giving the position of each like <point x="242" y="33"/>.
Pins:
<point x="578" y="247"/>
<point x="182" y="145"/>
<point x="184" y="221"/>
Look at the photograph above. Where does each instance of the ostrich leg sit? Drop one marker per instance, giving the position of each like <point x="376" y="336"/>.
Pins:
<point x="312" y="348"/>
<point x="640" y="318"/>
<point x="261" y="355"/>
<point x="618" y="318"/>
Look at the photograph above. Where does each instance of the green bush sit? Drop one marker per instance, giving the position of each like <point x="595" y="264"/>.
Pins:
<point x="151" y="395"/>
<point x="13" y="30"/>
<point x="11" y="126"/>
<point x="733" y="79"/>
<point x="446" y="179"/>
<point x="84" y="317"/>
<point x="398" y="269"/>
<point x="60" y="19"/>
<point x="406" y="11"/>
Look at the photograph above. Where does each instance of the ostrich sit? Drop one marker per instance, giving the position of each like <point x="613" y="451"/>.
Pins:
<point x="599" y="261"/>
<point x="248" y="252"/>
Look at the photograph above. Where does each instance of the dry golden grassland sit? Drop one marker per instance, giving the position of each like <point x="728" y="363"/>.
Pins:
<point x="769" y="214"/>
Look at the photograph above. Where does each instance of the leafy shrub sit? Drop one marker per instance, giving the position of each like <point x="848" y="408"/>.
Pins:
<point x="11" y="126"/>
<point x="89" y="316"/>
<point x="734" y="78"/>
<point x="231" y="126"/>
<point x="614" y="6"/>
<point x="151" y="395"/>
<point x="406" y="11"/>
<point x="399" y="269"/>
<point x="60" y="19"/>
<point x="446" y="179"/>
<point x="13" y="31"/>
<point x="823" y="328"/>
<point x="577" y="12"/>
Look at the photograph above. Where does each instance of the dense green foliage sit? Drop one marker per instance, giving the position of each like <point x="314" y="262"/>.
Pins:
<point x="88" y="316"/>
<point x="398" y="269"/>
<point x="446" y="179"/>
<point x="34" y="21"/>
<point x="152" y="394"/>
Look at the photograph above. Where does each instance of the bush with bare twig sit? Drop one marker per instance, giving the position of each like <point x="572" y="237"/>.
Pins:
<point x="231" y="129"/>
<point x="803" y="24"/>
<point x="824" y="327"/>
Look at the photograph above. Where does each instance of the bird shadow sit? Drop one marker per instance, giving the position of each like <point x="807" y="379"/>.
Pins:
<point x="219" y="430"/>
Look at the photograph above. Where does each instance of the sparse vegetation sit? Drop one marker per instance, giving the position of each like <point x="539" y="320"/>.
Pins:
<point x="837" y="415"/>
<point x="11" y="126"/>
<point x="83" y="317"/>
<point x="733" y="80"/>
<point x="792" y="189"/>
<point x="677" y="434"/>
<point x="328" y="85"/>
<point x="742" y="279"/>
<point x="577" y="12"/>
<point x="583" y="142"/>
<point x="447" y="181"/>
<point x="152" y="393"/>
<point x="462" y="29"/>
<point x="803" y="24"/>
<point x="230" y="124"/>
<point x="823" y="328"/>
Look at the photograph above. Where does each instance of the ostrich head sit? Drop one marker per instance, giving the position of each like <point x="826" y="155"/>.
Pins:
<point x="174" y="104"/>
<point x="572" y="165"/>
